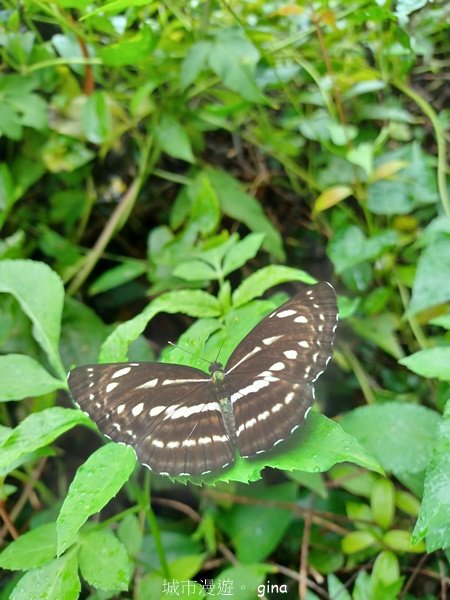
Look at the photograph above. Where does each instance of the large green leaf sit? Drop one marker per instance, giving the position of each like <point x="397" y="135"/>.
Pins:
<point x="244" y="208"/>
<point x="194" y="303"/>
<point x="36" y="431"/>
<point x="431" y="362"/>
<point x="55" y="580"/>
<point x="316" y="446"/>
<point x="32" y="549"/>
<point x="255" y="531"/>
<point x="40" y="293"/>
<point x="233" y="58"/>
<point x="262" y="280"/>
<point x="104" y="561"/>
<point x="434" y="517"/>
<point x="21" y="377"/>
<point x="400" y="436"/>
<point x="95" y="483"/>
<point x="432" y="280"/>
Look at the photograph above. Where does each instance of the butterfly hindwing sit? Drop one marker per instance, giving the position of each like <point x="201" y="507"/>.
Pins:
<point x="168" y="413"/>
<point x="272" y="417"/>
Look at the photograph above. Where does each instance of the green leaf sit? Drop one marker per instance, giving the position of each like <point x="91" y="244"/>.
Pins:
<point x="112" y="278"/>
<point x="353" y="479"/>
<point x="238" y="323"/>
<point x="8" y="193"/>
<point x="194" y="303"/>
<point x="400" y="541"/>
<point x="96" y="118"/>
<point x="256" y="531"/>
<point x="357" y="541"/>
<point x="349" y="246"/>
<point x="432" y="280"/>
<point x="434" y="517"/>
<point x="82" y="333"/>
<point x="408" y="503"/>
<point x="239" y="205"/>
<point x="382" y="502"/>
<point x="130" y="50"/>
<point x="204" y="214"/>
<point x="432" y="362"/>
<point x="362" y="589"/>
<point x="412" y="186"/>
<point x="362" y="156"/>
<point x="53" y="581"/>
<point x="104" y="561"/>
<point x="442" y="321"/>
<point x="336" y="589"/>
<point x="385" y="578"/>
<point x="173" y="139"/>
<point x="193" y="340"/>
<point x="194" y="62"/>
<point x="195" y="270"/>
<point x="242" y="252"/>
<point x="31" y="549"/>
<point x="316" y="446"/>
<point x="186" y="567"/>
<point x="21" y="377"/>
<point x="312" y="481"/>
<point x="233" y="58"/>
<point x="259" y="282"/>
<point x="115" y="7"/>
<point x="175" y="543"/>
<point x="130" y="534"/>
<point x="381" y="330"/>
<point x="111" y="465"/>
<point x="10" y="125"/>
<point x="400" y="436"/>
<point x="65" y="154"/>
<point x="40" y="293"/>
<point x="35" y="431"/>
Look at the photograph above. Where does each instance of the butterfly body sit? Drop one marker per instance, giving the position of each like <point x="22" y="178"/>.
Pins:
<point x="183" y="421"/>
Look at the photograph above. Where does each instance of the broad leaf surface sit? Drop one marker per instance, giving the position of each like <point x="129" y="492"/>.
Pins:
<point x="434" y="517"/>
<point x="400" y="436"/>
<point x="38" y="430"/>
<point x="194" y="303"/>
<point x="31" y="550"/>
<point x="55" y="580"/>
<point x="40" y="293"/>
<point x="21" y="377"/>
<point x="104" y="561"/>
<point x="431" y="362"/>
<point x="95" y="483"/>
<point x="255" y="530"/>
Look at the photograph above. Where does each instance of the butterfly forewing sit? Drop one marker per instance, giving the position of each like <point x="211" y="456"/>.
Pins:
<point x="272" y="370"/>
<point x="168" y="413"/>
<point x="182" y="421"/>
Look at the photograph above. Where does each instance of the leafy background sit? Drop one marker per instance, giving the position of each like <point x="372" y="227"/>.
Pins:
<point x="167" y="169"/>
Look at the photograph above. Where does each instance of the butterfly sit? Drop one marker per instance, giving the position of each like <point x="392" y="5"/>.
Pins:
<point x="183" y="421"/>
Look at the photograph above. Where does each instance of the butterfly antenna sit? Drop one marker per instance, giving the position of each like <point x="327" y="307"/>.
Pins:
<point x="224" y="339"/>
<point x="188" y="352"/>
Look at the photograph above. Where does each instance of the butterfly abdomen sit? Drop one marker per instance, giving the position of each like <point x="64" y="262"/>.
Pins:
<point x="223" y="398"/>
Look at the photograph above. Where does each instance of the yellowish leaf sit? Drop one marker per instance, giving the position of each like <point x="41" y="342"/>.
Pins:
<point x="331" y="196"/>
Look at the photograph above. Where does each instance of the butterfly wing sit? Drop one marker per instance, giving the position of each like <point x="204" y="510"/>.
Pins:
<point x="167" y="413"/>
<point x="272" y="371"/>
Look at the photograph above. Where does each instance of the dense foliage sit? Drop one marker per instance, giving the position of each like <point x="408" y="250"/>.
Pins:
<point x="168" y="171"/>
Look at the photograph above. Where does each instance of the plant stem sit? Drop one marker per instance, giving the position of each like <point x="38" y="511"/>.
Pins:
<point x="114" y="223"/>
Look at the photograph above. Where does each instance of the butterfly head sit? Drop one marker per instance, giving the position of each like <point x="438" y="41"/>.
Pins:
<point x="216" y="371"/>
